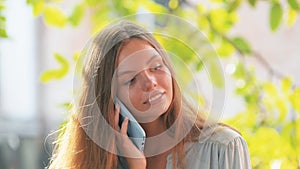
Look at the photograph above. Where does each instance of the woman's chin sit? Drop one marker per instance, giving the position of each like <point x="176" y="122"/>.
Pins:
<point x="150" y="115"/>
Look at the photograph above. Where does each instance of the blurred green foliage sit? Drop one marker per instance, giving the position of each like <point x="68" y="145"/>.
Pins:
<point x="57" y="73"/>
<point x="3" y="33"/>
<point x="270" y="120"/>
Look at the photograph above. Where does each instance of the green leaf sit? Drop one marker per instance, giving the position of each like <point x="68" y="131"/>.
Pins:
<point x="66" y="105"/>
<point x="56" y="74"/>
<point x="295" y="99"/>
<point x="76" y="56"/>
<point x="290" y="132"/>
<point x="217" y="1"/>
<point x="201" y="8"/>
<point x="234" y="5"/>
<point x="297" y="135"/>
<point x="93" y="2"/>
<point x="240" y="71"/>
<point x="286" y="85"/>
<point x="258" y="147"/>
<point x="292" y="16"/>
<point x="77" y="14"/>
<point x="225" y="49"/>
<point x="3" y="33"/>
<point x="203" y="23"/>
<point x="275" y="16"/>
<point x="2" y="20"/>
<point x="245" y="119"/>
<point x="38" y="8"/>
<point x="221" y="19"/>
<point x="252" y="2"/>
<point x="199" y="65"/>
<point x="242" y="45"/>
<point x="56" y="1"/>
<point x="294" y="4"/>
<point x="30" y="1"/>
<point x="270" y="89"/>
<point x="2" y="7"/>
<point x="268" y="103"/>
<point x="54" y="16"/>
<point x="282" y="108"/>
<point x="211" y="35"/>
<point x="173" y="4"/>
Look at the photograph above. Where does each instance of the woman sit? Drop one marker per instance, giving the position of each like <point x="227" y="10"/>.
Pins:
<point x="126" y="61"/>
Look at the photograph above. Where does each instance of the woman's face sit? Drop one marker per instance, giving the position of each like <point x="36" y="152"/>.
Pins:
<point x="144" y="82"/>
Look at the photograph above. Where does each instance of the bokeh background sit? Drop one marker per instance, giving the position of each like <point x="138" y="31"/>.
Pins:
<point x="257" y="43"/>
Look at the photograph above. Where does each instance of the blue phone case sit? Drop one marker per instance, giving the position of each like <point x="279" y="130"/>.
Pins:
<point x="135" y="132"/>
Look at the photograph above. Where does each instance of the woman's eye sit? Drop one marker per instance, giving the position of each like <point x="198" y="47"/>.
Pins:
<point x="130" y="81"/>
<point x="158" y="67"/>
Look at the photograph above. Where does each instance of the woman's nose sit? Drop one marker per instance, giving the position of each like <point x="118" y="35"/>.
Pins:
<point x="148" y="80"/>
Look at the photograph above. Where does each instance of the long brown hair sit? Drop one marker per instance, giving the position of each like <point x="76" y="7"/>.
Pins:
<point x="77" y="147"/>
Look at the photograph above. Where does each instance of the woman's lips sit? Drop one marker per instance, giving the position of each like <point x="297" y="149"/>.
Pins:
<point x="155" y="97"/>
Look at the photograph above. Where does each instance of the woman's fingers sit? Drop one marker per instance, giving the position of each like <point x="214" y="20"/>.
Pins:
<point x="117" y="112"/>
<point x="125" y="145"/>
<point x="124" y="126"/>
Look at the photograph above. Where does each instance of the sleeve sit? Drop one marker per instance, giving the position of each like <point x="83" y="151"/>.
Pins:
<point x="235" y="155"/>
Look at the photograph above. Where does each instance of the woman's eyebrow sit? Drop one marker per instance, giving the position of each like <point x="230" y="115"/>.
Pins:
<point x="153" y="57"/>
<point x="132" y="71"/>
<point x="125" y="72"/>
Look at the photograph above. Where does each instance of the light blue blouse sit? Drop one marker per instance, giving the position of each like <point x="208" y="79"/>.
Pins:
<point x="222" y="148"/>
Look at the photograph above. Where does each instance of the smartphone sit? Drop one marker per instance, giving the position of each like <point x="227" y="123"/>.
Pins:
<point x="135" y="132"/>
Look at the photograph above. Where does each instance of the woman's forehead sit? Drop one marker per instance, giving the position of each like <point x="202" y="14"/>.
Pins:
<point x="135" y="51"/>
<point x="133" y="46"/>
<point x="138" y="60"/>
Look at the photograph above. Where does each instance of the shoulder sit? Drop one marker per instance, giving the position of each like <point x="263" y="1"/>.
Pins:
<point x="221" y="134"/>
<point x="220" y="137"/>
<point x="218" y="147"/>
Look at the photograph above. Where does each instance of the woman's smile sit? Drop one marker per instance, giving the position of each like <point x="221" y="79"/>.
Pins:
<point x="155" y="97"/>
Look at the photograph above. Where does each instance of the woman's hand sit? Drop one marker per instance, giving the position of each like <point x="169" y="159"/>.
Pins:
<point x="135" y="158"/>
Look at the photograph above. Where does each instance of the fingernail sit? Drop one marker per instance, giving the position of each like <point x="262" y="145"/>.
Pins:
<point x="116" y="106"/>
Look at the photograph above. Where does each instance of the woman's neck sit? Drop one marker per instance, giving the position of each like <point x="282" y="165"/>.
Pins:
<point x="152" y="146"/>
<point x="154" y="128"/>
